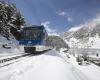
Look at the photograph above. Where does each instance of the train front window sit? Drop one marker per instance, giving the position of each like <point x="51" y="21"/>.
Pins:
<point x="32" y="33"/>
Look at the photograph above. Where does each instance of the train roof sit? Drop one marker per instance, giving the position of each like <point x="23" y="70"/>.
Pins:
<point x="34" y="26"/>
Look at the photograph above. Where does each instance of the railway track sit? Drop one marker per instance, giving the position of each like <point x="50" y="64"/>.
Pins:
<point x="7" y="61"/>
<point x="95" y="61"/>
<point x="12" y="58"/>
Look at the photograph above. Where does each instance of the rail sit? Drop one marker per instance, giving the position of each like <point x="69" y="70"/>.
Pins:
<point x="11" y="60"/>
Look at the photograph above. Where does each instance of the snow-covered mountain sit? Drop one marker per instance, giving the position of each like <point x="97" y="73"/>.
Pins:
<point x="56" y="41"/>
<point x="83" y="36"/>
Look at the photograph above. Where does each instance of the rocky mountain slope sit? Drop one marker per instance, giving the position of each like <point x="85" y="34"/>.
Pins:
<point x="88" y="35"/>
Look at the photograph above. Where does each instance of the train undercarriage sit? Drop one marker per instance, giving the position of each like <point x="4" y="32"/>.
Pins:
<point x="34" y="49"/>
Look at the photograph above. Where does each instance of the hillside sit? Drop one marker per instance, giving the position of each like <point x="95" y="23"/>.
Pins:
<point x="56" y="41"/>
<point x="10" y="19"/>
<point x="86" y="36"/>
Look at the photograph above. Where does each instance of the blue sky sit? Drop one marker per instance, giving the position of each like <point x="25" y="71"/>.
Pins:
<point x="59" y="15"/>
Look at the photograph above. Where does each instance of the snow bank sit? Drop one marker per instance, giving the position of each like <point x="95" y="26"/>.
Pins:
<point x="11" y="47"/>
<point x="48" y="66"/>
<point x="91" y="71"/>
<point x="43" y="67"/>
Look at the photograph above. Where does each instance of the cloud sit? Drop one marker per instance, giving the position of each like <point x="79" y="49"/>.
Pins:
<point x="90" y="24"/>
<point x="66" y="15"/>
<point x="69" y="19"/>
<point x="75" y="28"/>
<point x="63" y="13"/>
<point x="50" y="31"/>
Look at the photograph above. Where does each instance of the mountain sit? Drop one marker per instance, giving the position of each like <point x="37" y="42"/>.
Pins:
<point x="56" y="41"/>
<point x="86" y="35"/>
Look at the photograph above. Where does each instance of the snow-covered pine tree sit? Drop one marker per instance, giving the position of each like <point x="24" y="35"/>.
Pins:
<point x="17" y="20"/>
<point x="10" y="17"/>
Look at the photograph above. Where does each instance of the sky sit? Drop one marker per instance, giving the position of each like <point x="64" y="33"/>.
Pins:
<point x="58" y="15"/>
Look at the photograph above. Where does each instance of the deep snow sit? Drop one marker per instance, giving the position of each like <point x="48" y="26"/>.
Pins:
<point x="90" y="70"/>
<point x="48" y="66"/>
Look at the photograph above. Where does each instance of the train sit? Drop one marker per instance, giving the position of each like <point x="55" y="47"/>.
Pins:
<point x="33" y="39"/>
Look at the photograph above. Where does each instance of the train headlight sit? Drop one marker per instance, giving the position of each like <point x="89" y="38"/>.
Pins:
<point x="29" y="42"/>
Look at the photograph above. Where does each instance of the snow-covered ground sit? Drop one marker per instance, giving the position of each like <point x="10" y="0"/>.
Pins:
<point x="52" y="65"/>
<point x="48" y="66"/>
<point x="90" y="70"/>
<point x="11" y="47"/>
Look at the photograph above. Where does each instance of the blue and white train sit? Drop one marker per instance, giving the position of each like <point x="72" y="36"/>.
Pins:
<point x="33" y="39"/>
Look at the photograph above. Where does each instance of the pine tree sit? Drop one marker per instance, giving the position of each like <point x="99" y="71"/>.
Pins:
<point x="18" y="20"/>
<point x="10" y="17"/>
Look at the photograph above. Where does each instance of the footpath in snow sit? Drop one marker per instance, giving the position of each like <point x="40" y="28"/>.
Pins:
<point x="48" y="66"/>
